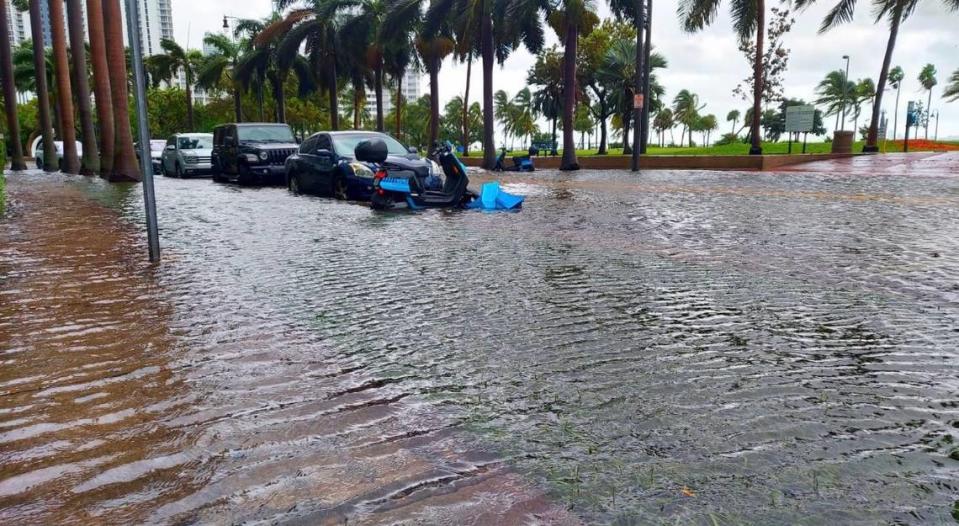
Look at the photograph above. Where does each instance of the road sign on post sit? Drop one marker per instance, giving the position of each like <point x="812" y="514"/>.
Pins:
<point x="800" y="118"/>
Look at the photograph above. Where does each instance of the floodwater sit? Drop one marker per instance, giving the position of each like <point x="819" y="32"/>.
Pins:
<point x="685" y="347"/>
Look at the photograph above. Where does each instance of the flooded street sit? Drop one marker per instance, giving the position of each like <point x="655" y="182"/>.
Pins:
<point x="674" y="347"/>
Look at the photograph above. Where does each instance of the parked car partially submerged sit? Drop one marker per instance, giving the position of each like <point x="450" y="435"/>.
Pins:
<point x="187" y="154"/>
<point x="251" y="152"/>
<point x="326" y="165"/>
<point x="38" y="153"/>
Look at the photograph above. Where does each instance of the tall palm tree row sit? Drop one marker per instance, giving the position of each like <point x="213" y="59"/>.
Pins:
<point x="124" y="161"/>
<point x="101" y="85"/>
<point x="61" y="63"/>
<point x="895" y="11"/>
<point x="568" y="19"/>
<point x="9" y="92"/>
<point x="749" y="18"/>
<point x="42" y="89"/>
<point x="90" y="162"/>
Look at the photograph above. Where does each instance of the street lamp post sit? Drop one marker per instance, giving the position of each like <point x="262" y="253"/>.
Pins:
<point x="139" y="90"/>
<point x="936" y="136"/>
<point x="845" y="91"/>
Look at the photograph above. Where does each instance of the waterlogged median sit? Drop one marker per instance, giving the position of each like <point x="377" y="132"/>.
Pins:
<point x="692" y="347"/>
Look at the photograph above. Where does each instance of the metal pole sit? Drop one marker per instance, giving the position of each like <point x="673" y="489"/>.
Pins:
<point x="646" y="72"/>
<point x="845" y="93"/>
<point x="638" y="95"/>
<point x="936" y="137"/>
<point x="139" y="93"/>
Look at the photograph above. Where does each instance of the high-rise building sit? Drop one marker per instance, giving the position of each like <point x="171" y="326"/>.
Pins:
<point x="18" y="25"/>
<point x="412" y="90"/>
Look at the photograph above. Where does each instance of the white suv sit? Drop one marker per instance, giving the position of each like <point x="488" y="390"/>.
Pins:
<point x="187" y="154"/>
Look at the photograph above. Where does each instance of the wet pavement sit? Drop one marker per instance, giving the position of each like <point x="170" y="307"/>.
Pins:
<point x="674" y="347"/>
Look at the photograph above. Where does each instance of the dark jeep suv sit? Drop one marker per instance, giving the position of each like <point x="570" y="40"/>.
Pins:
<point x="251" y="152"/>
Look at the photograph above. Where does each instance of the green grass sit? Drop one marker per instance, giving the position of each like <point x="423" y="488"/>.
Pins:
<point x="742" y="149"/>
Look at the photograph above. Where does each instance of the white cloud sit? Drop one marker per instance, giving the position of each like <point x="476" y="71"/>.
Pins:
<point x="708" y="62"/>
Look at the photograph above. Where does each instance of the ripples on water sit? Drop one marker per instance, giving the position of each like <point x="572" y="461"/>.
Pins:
<point x="708" y="348"/>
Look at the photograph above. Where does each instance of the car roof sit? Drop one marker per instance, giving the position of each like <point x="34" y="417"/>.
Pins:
<point x="192" y="134"/>
<point x="261" y="124"/>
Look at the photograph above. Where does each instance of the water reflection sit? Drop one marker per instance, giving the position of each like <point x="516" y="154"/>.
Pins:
<point x="702" y="348"/>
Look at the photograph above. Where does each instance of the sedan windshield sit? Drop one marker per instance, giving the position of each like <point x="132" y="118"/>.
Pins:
<point x="345" y="144"/>
<point x="196" y="143"/>
<point x="265" y="133"/>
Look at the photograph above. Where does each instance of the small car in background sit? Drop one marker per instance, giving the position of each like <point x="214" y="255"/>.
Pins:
<point x="251" y="152"/>
<point x="326" y="165"/>
<point x="38" y="153"/>
<point x="187" y="154"/>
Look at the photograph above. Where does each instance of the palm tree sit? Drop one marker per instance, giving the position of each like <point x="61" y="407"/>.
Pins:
<point x="10" y="92"/>
<point x="42" y="91"/>
<point x="927" y="77"/>
<point x="733" y="117"/>
<point x="255" y="64"/>
<point x="396" y="38"/>
<point x="486" y="19"/>
<point x="896" y="76"/>
<point x="433" y="49"/>
<point x="218" y="69"/>
<point x="125" y="161"/>
<point x="546" y="76"/>
<point x="663" y="121"/>
<point x="748" y="16"/>
<point x="686" y="111"/>
<point x="706" y="125"/>
<point x="167" y="66"/>
<point x="61" y="63"/>
<point x="835" y="92"/>
<point x="896" y="11"/>
<point x="91" y="157"/>
<point x="101" y="85"/>
<point x="568" y="19"/>
<point x="951" y="93"/>
<point x="864" y="91"/>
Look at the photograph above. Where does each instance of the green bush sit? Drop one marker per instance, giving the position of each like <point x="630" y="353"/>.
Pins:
<point x="727" y="138"/>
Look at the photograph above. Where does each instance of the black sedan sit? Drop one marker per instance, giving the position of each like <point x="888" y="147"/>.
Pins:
<point x="326" y="165"/>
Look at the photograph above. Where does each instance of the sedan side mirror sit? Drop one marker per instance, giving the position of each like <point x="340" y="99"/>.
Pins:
<point x="413" y="149"/>
<point x="325" y="159"/>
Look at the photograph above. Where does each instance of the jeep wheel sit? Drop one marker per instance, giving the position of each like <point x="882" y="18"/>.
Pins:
<point x="216" y="173"/>
<point x="178" y="170"/>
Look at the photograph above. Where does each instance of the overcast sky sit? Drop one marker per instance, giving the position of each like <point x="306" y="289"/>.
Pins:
<point x="709" y="63"/>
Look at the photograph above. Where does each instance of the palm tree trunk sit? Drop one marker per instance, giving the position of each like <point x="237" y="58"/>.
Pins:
<point x="61" y="64"/>
<point x="378" y="89"/>
<point x="552" y="147"/>
<point x="569" y="161"/>
<point x="466" y="106"/>
<point x="627" y="125"/>
<point x="101" y="85"/>
<point x="259" y="98"/>
<point x="237" y="105"/>
<point x="646" y="72"/>
<point x="43" y="92"/>
<point x="90" y="164"/>
<point x="872" y="140"/>
<point x="279" y="98"/>
<point x="486" y="45"/>
<point x="9" y="92"/>
<point x="125" y="161"/>
<point x="757" y="148"/>
<point x="334" y="103"/>
<point x="928" y="111"/>
<point x="398" y="107"/>
<point x="356" y="108"/>
<point x="189" y="104"/>
<point x="434" y="104"/>
<point x="603" y="133"/>
<point x="895" y="116"/>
